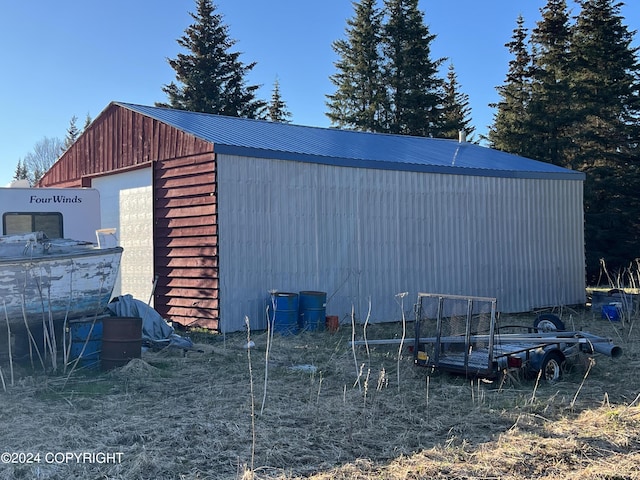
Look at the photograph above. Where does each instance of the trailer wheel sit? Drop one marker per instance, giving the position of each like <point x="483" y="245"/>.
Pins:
<point x="551" y="367"/>
<point x="548" y="322"/>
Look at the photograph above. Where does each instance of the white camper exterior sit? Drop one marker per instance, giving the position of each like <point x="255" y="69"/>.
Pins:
<point x="59" y="212"/>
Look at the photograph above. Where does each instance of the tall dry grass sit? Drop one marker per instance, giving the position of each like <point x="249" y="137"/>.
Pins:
<point x="194" y="416"/>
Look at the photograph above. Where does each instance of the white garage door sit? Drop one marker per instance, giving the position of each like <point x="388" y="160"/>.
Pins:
<point x="126" y="203"/>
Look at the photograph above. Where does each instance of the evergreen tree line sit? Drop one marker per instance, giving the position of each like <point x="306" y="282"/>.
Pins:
<point x="211" y="78"/>
<point x="386" y="80"/>
<point x="571" y="98"/>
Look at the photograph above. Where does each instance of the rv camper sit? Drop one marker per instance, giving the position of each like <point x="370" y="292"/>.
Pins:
<point x="58" y="212"/>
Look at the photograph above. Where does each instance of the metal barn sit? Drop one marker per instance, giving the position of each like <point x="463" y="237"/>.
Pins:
<point x="219" y="211"/>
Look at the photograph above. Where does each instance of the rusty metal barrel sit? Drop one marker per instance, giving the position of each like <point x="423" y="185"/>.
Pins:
<point x="121" y="341"/>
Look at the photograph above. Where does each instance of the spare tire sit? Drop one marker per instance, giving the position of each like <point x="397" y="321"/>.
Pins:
<point x="548" y="322"/>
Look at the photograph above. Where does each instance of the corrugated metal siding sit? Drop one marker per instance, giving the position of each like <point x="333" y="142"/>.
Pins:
<point x="362" y="234"/>
<point x="186" y="240"/>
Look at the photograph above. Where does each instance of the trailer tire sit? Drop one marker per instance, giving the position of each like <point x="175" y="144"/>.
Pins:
<point x="552" y="366"/>
<point x="548" y="322"/>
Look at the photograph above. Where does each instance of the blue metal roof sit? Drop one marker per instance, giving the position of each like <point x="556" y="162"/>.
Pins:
<point x="265" y="139"/>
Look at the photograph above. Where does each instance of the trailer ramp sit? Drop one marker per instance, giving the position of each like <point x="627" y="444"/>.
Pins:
<point x="462" y="329"/>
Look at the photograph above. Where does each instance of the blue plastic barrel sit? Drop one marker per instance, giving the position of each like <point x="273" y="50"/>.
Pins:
<point x="312" y="310"/>
<point x="283" y="313"/>
<point x="86" y="343"/>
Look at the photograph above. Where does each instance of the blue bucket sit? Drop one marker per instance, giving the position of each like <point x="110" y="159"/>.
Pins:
<point x="283" y="313"/>
<point x="86" y="343"/>
<point x="312" y="310"/>
<point x="611" y="312"/>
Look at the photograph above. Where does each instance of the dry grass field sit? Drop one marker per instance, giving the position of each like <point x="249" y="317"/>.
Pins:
<point x="310" y="406"/>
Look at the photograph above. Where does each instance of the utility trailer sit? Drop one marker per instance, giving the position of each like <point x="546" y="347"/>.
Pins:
<point x="460" y="334"/>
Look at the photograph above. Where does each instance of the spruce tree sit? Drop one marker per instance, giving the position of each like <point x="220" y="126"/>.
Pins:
<point x="277" y="108"/>
<point x="72" y="134"/>
<point x="510" y="129"/>
<point x="411" y="75"/>
<point x="550" y="110"/>
<point x="21" y="173"/>
<point x="360" y="96"/>
<point x="605" y="75"/>
<point x="211" y="78"/>
<point x="456" y="109"/>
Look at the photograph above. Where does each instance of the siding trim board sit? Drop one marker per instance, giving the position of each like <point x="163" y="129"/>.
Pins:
<point x="395" y="166"/>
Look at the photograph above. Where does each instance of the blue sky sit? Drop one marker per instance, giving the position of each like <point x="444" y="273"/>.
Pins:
<point x="73" y="57"/>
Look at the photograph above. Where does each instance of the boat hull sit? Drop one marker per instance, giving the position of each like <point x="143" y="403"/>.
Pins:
<point x="62" y="283"/>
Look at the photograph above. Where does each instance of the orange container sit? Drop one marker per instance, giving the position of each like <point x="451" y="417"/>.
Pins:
<point x="333" y="323"/>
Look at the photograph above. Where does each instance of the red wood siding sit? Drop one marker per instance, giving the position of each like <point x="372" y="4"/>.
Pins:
<point x="119" y="140"/>
<point x="185" y="219"/>
<point x="186" y="240"/>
